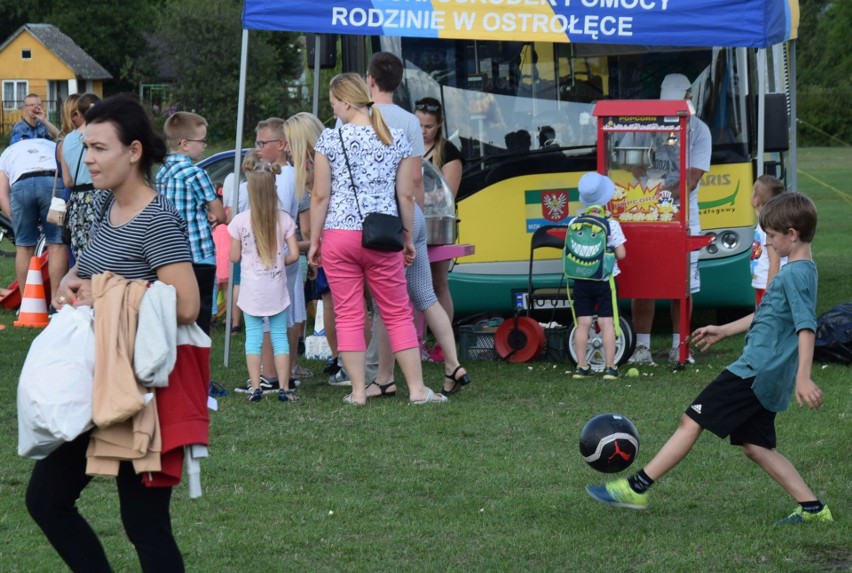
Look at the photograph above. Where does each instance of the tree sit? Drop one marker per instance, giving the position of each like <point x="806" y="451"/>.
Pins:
<point x="201" y="40"/>
<point x="825" y="72"/>
<point x="110" y="32"/>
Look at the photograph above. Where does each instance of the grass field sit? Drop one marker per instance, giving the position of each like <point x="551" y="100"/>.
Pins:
<point x="492" y="481"/>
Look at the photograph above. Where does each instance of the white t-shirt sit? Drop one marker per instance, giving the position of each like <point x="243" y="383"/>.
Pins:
<point x="397" y="117"/>
<point x="285" y="186"/>
<point x="26" y="156"/>
<point x="263" y="290"/>
<point x="228" y="190"/>
<point x="760" y="259"/>
<point x="667" y="160"/>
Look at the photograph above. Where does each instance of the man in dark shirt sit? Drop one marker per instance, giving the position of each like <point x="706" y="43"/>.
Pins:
<point x="34" y="123"/>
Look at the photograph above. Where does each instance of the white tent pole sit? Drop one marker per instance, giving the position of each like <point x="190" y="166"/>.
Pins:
<point x="761" y="109"/>
<point x="792" y="169"/>
<point x="315" y="108"/>
<point x="235" y="191"/>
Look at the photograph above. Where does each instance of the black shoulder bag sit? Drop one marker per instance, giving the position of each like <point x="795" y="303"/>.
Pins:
<point x="381" y="232"/>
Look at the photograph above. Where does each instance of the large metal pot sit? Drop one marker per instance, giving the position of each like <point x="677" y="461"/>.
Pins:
<point x="632" y="156"/>
<point x="441" y="230"/>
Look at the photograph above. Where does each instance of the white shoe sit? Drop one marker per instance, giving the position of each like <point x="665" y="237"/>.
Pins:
<point x="641" y="355"/>
<point x="674" y="357"/>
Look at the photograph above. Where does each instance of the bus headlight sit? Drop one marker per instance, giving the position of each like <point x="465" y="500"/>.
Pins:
<point x="729" y="240"/>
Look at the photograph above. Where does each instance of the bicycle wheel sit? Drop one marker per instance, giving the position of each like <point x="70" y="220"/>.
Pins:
<point x="7" y="238"/>
<point x="41" y="246"/>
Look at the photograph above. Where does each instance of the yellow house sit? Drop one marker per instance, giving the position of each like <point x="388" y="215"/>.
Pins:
<point x="39" y="58"/>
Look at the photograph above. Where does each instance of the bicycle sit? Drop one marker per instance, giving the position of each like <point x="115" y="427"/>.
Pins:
<point x="7" y="239"/>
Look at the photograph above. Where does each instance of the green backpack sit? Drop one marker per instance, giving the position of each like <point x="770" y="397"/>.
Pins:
<point x="586" y="256"/>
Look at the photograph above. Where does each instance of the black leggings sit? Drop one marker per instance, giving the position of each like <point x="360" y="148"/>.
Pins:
<point x="52" y="495"/>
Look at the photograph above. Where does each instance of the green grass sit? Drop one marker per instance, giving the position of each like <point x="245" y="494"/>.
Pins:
<point x="492" y="481"/>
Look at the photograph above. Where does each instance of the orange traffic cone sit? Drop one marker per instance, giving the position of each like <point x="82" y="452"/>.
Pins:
<point x="33" y="306"/>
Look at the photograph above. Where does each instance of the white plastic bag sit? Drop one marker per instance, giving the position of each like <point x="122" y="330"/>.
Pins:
<point x="55" y="387"/>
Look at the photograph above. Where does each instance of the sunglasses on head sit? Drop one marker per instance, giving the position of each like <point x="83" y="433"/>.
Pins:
<point x="429" y="107"/>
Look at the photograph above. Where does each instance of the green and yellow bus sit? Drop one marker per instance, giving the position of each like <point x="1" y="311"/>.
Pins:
<point x="521" y="113"/>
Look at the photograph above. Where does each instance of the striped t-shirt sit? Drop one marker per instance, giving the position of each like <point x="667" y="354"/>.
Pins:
<point x="154" y="238"/>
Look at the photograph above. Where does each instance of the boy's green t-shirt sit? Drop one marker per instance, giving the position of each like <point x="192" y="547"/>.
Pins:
<point x="771" y="352"/>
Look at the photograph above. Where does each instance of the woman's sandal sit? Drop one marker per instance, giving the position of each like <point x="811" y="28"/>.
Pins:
<point x="458" y="381"/>
<point x="383" y="389"/>
<point x="287" y="395"/>
<point x="431" y="398"/>
<point x="348" y="399"/>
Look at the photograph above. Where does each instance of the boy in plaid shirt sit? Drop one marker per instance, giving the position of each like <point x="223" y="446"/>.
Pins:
<point x="189" y="188"/>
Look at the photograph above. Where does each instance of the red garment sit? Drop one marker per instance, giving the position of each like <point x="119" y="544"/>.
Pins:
<point x="182" y="406"/>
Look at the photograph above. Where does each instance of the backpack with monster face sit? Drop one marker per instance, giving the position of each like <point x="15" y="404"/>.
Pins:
<point x="586" y="255"/>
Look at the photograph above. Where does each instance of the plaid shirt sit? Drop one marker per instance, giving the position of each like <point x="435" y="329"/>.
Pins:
<point x="190" y="190"/>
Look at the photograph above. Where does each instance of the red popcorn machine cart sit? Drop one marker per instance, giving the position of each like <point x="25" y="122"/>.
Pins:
<point x="638" y="142"/>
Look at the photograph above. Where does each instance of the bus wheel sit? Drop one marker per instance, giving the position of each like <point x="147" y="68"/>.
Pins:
<point x="595" y="356"/>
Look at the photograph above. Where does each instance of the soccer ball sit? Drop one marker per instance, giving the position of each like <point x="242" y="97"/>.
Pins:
<point x="609" y="443"/>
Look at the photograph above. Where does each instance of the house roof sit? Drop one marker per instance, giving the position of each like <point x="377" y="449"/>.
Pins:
<point x="64" y="48"/>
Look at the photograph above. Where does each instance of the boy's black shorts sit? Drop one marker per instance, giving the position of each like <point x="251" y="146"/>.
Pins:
<point x="729" y="407"/>
<point x="592" y="298"/>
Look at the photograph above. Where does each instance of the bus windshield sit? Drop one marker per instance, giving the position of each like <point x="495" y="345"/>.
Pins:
<point x="516" y="108"/>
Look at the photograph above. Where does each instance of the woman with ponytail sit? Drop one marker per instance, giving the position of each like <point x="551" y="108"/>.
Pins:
<point x="365" y="167"/>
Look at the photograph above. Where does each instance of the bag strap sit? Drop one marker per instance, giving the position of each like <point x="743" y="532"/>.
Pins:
<point x="55" y="180"/>
<point x="79" y="161"/>
<point x="352" y="182"/>
<point x="348" y="168"/>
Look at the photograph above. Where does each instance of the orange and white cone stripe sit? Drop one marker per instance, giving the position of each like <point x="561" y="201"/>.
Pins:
<point x="33" y="306"/>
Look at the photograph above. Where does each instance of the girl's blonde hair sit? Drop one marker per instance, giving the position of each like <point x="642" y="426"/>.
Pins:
<point x="68" y="107"/>
<point x="302" y="131"/>
<point x="263" y="203"/>
<point x="352" y="89"/>
<point x="767" y="187"/>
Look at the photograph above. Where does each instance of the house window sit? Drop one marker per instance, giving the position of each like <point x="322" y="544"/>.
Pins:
<point x="14" y="92"/>
<point x="26" y="54"/>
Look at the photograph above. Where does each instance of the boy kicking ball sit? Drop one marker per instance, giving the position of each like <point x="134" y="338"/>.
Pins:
<point x="743" y="400"/>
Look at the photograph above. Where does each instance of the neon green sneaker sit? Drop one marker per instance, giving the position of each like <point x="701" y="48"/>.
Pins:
<point x="619" y="494"/>
<point x="802" y="516"/>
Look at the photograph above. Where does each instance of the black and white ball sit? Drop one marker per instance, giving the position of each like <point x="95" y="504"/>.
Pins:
<point x="609" y="443"/>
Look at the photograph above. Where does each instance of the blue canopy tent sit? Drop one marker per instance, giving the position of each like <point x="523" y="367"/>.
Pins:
<point x="688" y="23"/>
<point x="753" y="23"/>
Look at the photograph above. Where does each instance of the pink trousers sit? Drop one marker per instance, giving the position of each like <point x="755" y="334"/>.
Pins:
<point x="348" y="267"/>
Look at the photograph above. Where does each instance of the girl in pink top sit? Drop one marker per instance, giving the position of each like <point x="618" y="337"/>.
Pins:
<point x="263" y="241"/>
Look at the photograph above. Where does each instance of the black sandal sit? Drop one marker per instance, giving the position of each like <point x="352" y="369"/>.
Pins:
<point x="458" y="381"/>
<point x="383" y="389"/>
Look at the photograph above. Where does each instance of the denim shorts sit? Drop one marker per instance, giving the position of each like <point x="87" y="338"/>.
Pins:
<point x="30" y="201"/>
